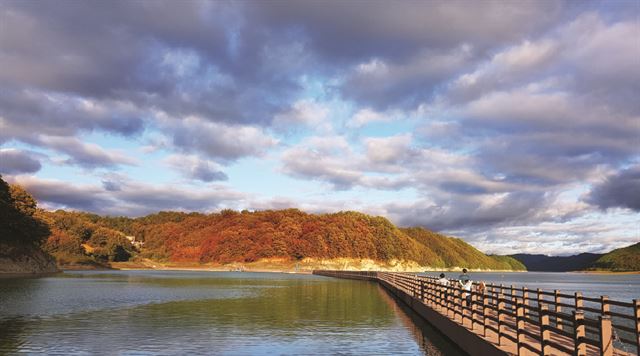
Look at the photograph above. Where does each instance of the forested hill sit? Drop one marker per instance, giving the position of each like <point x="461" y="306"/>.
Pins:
<point x="22" y="232"/>
<point x="231" y="236"/>
<point x="621" y="259"/>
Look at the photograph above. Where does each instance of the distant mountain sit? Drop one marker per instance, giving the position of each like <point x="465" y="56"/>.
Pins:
<point x="618" y="260"/>
<point x="621" y="259"/>
<point x="544" y="263"/>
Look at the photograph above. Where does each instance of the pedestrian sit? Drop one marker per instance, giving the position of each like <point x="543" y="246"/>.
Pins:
<point x="464" y="277"/>
<point x="443" y="280"/>
<point x="466" y="291"/>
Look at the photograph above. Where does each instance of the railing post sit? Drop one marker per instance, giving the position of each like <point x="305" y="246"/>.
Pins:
<point x="545" y="334"/>
<point x="558" y="308"/>
<point x="473" y="308"/>
<point x="519" y="326"/>
<point x="579" y="301"/>
<point x="484" y="312"/>
<point x="604" y="305"/>
<point x="456" y="303"/>
<point x="606" y="336"/>
<point x="421" y="290"/>
<point x="538" y="296"/>
<point x="447" y="297"/>
<point x="500" y="316"/>
<point x="525" y="300"/>
<point x="636" y="313"/>
<point x="579" y="346"/>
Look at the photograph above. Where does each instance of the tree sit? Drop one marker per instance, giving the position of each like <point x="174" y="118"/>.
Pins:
<point x="19" y="226"/>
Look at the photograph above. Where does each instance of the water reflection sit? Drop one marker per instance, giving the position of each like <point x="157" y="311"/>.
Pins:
<point x="430" y="340"/>
<point x="205" y="313"/>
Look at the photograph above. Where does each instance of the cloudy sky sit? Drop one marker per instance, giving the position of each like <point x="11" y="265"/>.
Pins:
<point x="514" y="125"/>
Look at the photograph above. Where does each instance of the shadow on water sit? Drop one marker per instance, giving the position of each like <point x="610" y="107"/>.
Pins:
<point x="11" y="335"/>
<point x="430" y="339"/>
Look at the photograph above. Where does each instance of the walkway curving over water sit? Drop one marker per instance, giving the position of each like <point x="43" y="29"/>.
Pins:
<point x="516" y="321"/>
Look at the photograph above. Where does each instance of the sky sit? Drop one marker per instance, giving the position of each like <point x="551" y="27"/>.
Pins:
<point x="514" y="125"/>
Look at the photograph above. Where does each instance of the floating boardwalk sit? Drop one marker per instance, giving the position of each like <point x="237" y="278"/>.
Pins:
<point x="516" y="321"/>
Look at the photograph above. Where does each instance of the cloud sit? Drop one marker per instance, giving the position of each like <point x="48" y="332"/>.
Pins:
<point x="304" y="113"/>
<point x="195" y="168"/>
<point x="397" y="30"/>
<point x="485" y="212"/>
<point x="122" y="196"/>
<point x="86" y="155"/>
<point x="619" y="190"/>
<point x="366" y="116"/>
<point x="217" y="140"/>
<point x="15" y="161"/>
<point x="23" y="111"/>
<point x="383" y="85"/>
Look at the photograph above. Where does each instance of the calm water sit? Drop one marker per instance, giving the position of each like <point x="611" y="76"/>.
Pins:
<point x="154" y="312"/>
<point x="623" y="287"/>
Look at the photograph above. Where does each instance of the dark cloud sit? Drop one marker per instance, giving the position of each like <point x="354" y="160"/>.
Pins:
<point x="129" y="198"/>
<point x="57" y="194"/>
<point x="513" y="208"/>
<point x="219" y="141"/>
<point x="620" y="190"/>
<point x="14" y="161"/>
<point x="26" y="111"/>
<point x="398" y="29"/>
<point x="85" y="154"/>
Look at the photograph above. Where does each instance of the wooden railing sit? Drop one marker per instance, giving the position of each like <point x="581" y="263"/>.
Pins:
<point x="542" y="322"/>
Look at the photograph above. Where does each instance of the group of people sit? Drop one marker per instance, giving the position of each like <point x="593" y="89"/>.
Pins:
<point x="463" y="282"/>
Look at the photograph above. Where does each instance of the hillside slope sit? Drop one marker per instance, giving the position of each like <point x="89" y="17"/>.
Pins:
<point x="620" y="260"/>
<point x="454" y="252"/>
<point x="22" y="231"/>
<point x="231" y="236"/>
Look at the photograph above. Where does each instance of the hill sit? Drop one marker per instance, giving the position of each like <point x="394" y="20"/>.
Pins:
<point x="230" y="236"/>
<point x="22" y="232"/>
<point x="454" y="252"/>
<point x="620" y="260"/>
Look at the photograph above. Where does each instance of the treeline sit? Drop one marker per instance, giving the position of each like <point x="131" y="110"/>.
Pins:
<point x="77" y="239"/>
<point x="231" y="236"/>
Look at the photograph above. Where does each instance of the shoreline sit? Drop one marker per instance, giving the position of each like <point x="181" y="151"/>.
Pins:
<point x="128" y="266"/>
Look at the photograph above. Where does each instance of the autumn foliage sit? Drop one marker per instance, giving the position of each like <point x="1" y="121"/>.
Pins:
<point x="231" y="236"/>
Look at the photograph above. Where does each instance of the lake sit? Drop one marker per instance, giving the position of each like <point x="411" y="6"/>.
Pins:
<point x="236" y="313"/>
<point x="222" y="313"/>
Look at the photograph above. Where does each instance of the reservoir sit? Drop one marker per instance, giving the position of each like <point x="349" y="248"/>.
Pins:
<point x="222" y="313"/>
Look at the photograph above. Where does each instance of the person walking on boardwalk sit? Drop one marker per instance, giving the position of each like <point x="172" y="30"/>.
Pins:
<point x="466" y="294"/>
<point x="464" y="277"/>
<point x="443" y="280"/>
<point x="444" y="286"/>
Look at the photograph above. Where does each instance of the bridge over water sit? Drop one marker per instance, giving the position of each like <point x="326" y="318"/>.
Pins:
<point x="503" y="320"/>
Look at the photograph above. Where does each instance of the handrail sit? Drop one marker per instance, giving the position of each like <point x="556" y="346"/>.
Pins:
<point x="511" y="309"/>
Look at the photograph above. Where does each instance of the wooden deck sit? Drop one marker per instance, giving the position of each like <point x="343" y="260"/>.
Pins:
<point x="520" y="321"/>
